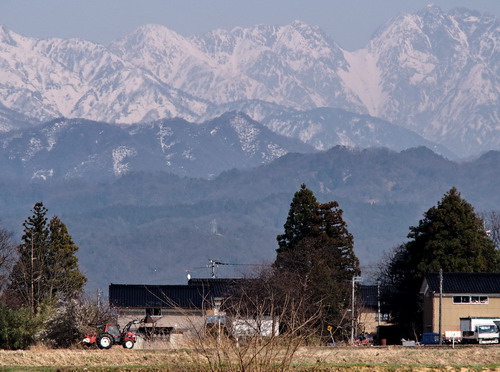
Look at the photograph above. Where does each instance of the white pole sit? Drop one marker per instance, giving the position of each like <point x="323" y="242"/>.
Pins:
<point x="352" y="312"/>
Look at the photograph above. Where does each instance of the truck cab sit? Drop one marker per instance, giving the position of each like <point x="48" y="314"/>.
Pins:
<point x="480" y="330"/>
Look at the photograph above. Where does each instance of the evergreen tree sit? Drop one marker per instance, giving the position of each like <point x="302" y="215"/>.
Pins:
<point x="17" y="328"/>
<point x="301" y="221"/>
<point x="47" y="268"/>
<point x="450" y="237"/>
<point x="27" y="282"/>
<point x="64" y="279"/>
<point x="316" y="257"/>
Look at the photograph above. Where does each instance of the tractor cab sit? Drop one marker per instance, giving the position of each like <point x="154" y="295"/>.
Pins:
<point x="113" y="330"/>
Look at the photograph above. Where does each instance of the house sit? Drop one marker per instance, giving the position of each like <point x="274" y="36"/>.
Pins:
<point x="371" y="312"/>
<point x="173" y="313"/>
<point x="463" y="295"/>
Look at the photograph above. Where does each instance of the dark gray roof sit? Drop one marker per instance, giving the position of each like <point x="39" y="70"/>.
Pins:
<point x="197" y="294"/>
<point x="368" y="295"/>
<point x="487" y="283"/>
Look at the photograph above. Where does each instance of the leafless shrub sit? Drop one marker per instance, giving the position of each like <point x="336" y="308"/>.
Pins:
<point x="7" y="256"/>
<point x="492" y="225"/>
<point x="262" y="329"/>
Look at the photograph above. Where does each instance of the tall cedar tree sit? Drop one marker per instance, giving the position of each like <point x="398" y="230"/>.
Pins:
<point x="315" y="258"/>
<point x="301" y="220"/>
<point x="451" y="237"/>
<point x="27" y="279"/>
<point x="47" y="268"/>
<point x="64" y="279"/>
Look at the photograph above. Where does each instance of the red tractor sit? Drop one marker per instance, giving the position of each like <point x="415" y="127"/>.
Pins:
<point x="109" y="335"/>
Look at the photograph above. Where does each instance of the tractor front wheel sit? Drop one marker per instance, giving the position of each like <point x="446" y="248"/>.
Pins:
<point x="128" y="344"/>
<point x="105" y="341"/>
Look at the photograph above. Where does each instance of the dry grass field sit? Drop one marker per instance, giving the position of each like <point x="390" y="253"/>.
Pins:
<point x="305" y="359"/>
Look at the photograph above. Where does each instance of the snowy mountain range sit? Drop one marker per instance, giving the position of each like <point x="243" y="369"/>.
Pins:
<point x="433" y="72"/>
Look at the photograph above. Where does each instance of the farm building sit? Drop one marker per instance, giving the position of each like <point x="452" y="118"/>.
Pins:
<point x="173" y="314"/>
<point x="463" y="295"/>
<point x="371" y="313"/>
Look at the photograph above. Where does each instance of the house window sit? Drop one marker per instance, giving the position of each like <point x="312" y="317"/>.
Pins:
<point x="153" y="311"/>
<point x="478" y="299"/>
<point x="461" y="299"/>
<point x="383" y="317"/>
<point x="470" y="299"/>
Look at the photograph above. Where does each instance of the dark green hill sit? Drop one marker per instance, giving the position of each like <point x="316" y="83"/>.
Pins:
<point x="152" y="227"/>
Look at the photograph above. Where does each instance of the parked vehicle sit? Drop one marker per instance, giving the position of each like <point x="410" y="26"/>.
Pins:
<point x="110" y="334"/>
<point x="480" y="330"/>
<point x="363" y="339"/>
<point x="429" y="338"/>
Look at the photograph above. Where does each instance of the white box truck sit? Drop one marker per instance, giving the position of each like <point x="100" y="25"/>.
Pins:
<point x="480" y="330"/>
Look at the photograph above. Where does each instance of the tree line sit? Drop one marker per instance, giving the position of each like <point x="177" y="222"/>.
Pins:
<point x="316" y="265"/>
<point x="309" y="284"/>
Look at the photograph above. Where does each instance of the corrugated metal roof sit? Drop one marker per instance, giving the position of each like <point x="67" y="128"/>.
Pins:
<point x="165" y="296"/>
<point x="487" y="283"/>
<point x="368" y="295"/>
<point x="197" y="294"/>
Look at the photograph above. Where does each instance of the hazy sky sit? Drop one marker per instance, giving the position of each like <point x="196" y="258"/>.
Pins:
<point x="349" y="22"/>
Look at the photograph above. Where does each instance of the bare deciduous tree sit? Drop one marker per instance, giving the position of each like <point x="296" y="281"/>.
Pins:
<point x="7" y="256"/>
<point x="264" y="328"/>
<point x="492" y="224"/>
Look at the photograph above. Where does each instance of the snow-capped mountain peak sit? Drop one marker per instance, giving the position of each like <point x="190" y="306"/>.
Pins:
<point x="434" y="72"/>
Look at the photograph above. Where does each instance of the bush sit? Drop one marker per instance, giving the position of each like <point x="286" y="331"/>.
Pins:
<point x="17" y="328"/>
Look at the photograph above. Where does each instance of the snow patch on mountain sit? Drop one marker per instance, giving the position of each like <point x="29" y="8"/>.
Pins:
<point x="35" y="146"/>
<point x="163" y="134"/>
<point x="43" y="174"/>
<point x="120" y="153"/>
<point x="247" y="134"/>
<point x="51" y="132"/>
<point x="274" y="151"/>
<point x="364" y="79"/>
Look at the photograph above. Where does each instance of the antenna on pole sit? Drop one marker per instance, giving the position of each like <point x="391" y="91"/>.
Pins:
<point x="212" y="264"/>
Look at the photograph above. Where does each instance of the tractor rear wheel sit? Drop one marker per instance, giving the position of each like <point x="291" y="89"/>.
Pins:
<point x="104" y="341"/>
<point x="128" y="344"/>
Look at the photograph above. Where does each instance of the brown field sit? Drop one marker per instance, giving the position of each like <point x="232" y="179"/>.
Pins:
<point x="306" y="359"/>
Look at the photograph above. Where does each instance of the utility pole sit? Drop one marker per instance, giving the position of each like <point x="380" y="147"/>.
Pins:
<point x="378" y="303"/>
<point x="32" y="278"/>
<point x="440" y="306"/>
<point x="379" y="315"/>
<point x="352" y="310"/>
<point x="98" y="298"/>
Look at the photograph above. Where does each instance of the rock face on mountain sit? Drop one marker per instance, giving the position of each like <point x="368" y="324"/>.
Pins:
<point x="434" y="72"/>
<point x="438" y="75"/>
<point x="315" y="127"/>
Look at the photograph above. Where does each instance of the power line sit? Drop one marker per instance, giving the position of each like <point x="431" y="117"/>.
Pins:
<point x="213" y="264"/>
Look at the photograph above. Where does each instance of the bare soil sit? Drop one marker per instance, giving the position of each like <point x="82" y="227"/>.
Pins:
<point x="362" y="359"/>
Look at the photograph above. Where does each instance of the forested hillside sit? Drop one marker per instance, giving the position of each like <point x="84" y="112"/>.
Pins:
<point x="152" y="227"/>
